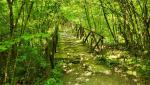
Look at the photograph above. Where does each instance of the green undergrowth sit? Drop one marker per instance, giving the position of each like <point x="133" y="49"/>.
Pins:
<point x="126" y="62"/>
<point x="55" y="78"/>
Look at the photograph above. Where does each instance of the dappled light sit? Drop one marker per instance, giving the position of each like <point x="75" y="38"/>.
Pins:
<point x="82" y="68"/>
<point x="74" y="42"/>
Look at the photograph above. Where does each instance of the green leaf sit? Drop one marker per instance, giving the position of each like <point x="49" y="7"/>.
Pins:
<point x="50" y="81"/>
<point x="3" y="48"/>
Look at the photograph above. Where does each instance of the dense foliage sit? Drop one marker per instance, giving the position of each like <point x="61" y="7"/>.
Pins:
<point x="27" y="30"/>
<point x="29" y="34"/>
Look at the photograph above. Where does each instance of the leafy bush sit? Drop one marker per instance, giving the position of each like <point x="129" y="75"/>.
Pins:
<point x="144" y="69"/>
<point x="56" y="76"/>
<point x="50" y="81"/>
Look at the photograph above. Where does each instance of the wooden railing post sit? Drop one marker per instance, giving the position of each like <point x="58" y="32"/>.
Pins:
<point x="80" y="33"/>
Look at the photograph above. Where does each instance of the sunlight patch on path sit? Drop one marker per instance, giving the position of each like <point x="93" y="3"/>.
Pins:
<point x="80" y="67"/>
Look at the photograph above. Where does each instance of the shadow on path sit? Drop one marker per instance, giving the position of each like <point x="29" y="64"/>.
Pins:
<point x="80" y="65"/>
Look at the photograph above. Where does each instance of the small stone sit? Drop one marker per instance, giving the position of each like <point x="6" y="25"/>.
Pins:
<point x="86" y="79"/>
<point x="88" y="74"/>
<point x="77" y="84"/>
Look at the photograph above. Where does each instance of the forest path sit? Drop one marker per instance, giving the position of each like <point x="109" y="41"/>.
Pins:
<point x="80" y="65"/>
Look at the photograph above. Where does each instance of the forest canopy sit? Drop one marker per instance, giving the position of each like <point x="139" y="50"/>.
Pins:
<point x="30" y="31"/>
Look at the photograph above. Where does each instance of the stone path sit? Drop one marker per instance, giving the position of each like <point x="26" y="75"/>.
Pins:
<point x="80" y="67"/>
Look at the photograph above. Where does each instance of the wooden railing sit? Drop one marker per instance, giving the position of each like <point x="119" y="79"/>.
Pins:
<point x="90" y="37"/>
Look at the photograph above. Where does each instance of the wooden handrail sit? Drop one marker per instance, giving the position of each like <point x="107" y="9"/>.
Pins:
<point x="92" y="34"/>
<point x="92" y="31"/>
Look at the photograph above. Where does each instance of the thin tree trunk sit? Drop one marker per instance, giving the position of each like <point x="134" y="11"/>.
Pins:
<point x="107" y="21"/>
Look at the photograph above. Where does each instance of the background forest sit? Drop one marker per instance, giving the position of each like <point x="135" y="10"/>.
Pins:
<point x="29" y="35"/>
